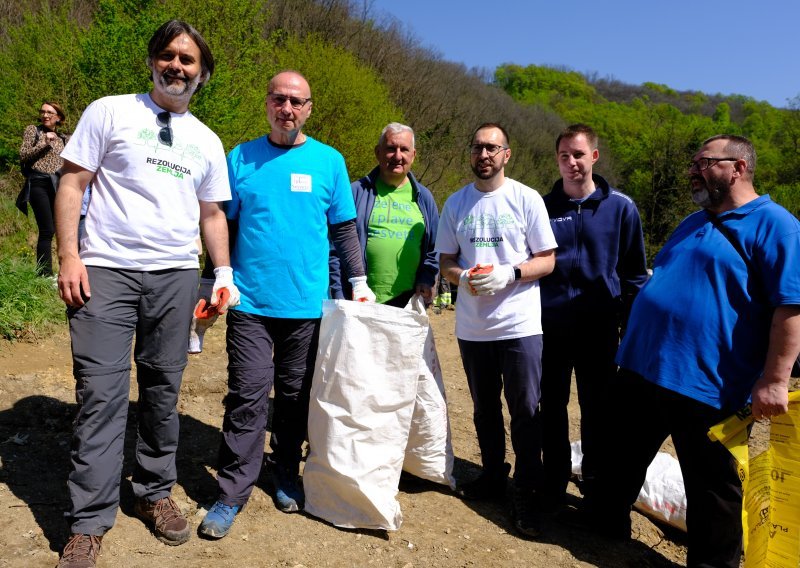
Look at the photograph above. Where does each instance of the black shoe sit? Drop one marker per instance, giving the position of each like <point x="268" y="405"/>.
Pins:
<point x="488" y="485"/>
<point x="525" y="515"/>
<point x="585" y="518"/>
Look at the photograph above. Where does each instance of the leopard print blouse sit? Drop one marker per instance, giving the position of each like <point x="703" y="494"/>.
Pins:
<point x="47" y="158"/>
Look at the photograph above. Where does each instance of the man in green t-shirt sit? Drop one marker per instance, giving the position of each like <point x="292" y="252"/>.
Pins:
<point x="396" y="224"/>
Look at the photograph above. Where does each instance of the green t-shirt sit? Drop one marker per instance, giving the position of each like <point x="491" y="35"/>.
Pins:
<point x="394" y="240"/>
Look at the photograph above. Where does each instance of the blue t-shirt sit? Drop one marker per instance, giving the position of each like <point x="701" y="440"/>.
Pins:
<point x="700" y="326"/>
<point x="283" y="199"/>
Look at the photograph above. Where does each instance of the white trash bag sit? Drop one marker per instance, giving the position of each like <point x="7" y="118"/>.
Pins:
<point x="429" y="454"/>
<point x="662" y="497"/>
<point x="360" y="412"/>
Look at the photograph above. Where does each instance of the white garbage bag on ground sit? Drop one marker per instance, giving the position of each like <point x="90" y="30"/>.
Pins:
<point x="429" y="454"/>
<point x="662" y="497"/>
<point x="360" y="412"/>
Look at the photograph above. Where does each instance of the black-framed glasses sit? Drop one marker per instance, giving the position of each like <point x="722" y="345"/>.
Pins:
<point x="491" y="149"/>
<point x="163" y="119"/>
<point x="703" y="164"/>
<point x="280" y="100"/>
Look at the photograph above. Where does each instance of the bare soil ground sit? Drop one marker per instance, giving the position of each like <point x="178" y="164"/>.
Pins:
<point x="36" y="408"/>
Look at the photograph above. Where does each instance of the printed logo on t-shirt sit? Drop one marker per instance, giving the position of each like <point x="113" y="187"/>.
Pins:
<point x="166" y="167"/>
<point x="301" y="182"/>
<point x="489" y="228"/>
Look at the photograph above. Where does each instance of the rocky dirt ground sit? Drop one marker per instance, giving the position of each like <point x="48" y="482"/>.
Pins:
<point x="36" y="408"/>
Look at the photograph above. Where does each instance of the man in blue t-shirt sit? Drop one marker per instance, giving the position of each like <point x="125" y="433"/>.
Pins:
<point x="718" y="324"/>
<point x="289" y="192"/>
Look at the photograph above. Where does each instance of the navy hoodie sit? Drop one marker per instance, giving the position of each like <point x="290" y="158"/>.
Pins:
<point x="600" y="260"/>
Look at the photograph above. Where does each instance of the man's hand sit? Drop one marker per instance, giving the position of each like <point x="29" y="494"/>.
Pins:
<point x="73" y="282"/>
<point x="770" y="398"/>
<point x="463" y="282"/>
<point x="426" y="292"/>
<point x="224" y="279"/>
<point x="199" y="326"/>
<point x="489" y="283"/>
<point x="361" y="291"/>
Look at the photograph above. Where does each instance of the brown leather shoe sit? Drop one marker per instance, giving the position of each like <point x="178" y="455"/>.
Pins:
<point x="168" y="523"/>
<point x="81" y="551"/>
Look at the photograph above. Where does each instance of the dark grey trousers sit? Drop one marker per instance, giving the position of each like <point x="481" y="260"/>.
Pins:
<point x="513" y="367"/>
<point x="156" y="309"/>
<point x="262" y="349"/>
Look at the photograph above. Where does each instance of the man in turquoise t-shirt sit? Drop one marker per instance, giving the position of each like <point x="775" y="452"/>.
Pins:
<point x="289" y="193"/>
<point x="396" y="224"/>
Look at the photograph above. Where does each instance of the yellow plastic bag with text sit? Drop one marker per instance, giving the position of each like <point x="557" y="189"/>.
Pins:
<point x="771" y="484"/>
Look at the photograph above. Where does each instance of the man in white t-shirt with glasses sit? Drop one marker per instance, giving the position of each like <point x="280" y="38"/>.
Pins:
<point x="495" y="242"/>
<point x="156" y="173"/>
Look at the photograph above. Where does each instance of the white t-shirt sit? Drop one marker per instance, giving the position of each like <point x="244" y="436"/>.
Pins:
<point x="504" y="226"/>
<point x="145" y="211"/>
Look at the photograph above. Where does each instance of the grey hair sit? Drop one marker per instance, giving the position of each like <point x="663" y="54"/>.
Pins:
<point x="396" y="128"/>
<point x="741" y="147"/>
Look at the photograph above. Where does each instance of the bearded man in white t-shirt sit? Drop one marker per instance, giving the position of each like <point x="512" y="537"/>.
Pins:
<point x="157" y="173"/>
<point x="495" y="242"/>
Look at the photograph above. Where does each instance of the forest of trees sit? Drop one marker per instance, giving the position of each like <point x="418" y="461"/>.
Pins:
<point x="365" y="71"/>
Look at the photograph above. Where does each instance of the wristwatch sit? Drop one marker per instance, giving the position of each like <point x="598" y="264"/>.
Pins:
<point x="517" y="273"/>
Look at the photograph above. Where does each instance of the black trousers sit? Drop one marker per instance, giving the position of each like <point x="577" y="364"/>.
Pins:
<point x="263" y="350"/>
<point x="513" y="367"/>
<point x="42" y="199"/>
<point x="588" y="347"/>
<point x="640" y="419"/>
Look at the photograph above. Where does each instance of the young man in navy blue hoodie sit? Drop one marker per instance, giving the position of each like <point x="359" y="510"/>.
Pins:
<point x="600" y="267"/>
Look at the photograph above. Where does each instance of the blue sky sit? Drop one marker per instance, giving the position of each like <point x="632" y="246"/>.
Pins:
<point x="734" y="47"/>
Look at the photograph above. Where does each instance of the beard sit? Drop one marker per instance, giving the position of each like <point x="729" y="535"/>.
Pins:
<point x="712" y="195"/>
<point x="482" y="173"/>
<point x="175" y="86"/>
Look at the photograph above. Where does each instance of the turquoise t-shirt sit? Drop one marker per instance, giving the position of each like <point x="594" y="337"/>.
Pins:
<point x="394" y="241"/>
<point x="284" y="199"/>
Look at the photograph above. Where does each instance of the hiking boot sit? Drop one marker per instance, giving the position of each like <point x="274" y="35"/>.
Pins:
<point x="168" y="523"/>
<point x="289" y="496"/>
<point x="524" y="513"/>
<point x="81" y="551"/>
<point x="488" y="485"/>
<point x="218" y="520"/>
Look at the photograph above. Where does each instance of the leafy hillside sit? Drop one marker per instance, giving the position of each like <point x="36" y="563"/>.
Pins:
<point x="366" y="70"/>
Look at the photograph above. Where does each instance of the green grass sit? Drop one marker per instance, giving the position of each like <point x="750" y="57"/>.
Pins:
<point x="29" y="306"/>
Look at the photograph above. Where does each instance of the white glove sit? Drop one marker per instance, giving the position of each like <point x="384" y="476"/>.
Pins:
<point x="224" y="279"/>
<point x="463" y="282"/>
<point x="491" y="282"/>
<point x="199" y="326"/>
<point x="361" y="292"/>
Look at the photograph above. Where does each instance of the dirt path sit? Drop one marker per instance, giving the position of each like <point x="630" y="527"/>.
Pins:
<point x="36" y="406"/>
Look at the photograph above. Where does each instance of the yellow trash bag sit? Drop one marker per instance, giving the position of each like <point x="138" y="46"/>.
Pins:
<point x="771" y="485"/>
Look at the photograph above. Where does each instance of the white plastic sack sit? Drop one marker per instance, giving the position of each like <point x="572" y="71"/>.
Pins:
<point x="429" y="453"/>
<point x="662" y="497"/>
<point x="362" y="401"/>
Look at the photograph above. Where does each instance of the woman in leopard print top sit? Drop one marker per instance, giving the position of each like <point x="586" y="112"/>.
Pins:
<point x="40" y="153"/>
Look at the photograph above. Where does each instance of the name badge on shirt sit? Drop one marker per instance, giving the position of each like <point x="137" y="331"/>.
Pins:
<point x="301" y="182"/>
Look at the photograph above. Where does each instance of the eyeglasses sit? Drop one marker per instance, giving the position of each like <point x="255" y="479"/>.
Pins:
<point x="165" y="134"/>
<point x="47" y="113"/>
<point x="703" y="164"/>
<point x="491" y="149"/>
<point x="280" y="100"/>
